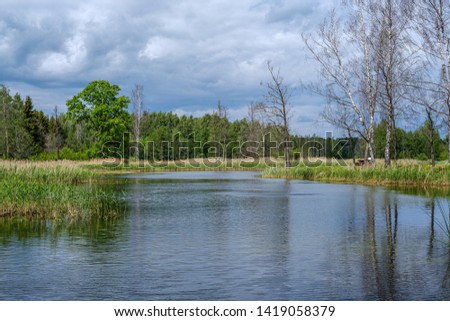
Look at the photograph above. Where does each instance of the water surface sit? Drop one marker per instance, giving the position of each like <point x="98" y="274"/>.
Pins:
<point x="234" y="236"/>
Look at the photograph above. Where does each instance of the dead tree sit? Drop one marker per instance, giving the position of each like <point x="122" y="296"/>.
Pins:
<point x="137" y="98"/>
<point x="277" y="109"/>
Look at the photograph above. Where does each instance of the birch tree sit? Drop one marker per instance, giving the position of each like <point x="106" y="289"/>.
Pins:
<point x="433" y="24"/>
<point x="396" y="54"/>
<point x="350" y="71"/>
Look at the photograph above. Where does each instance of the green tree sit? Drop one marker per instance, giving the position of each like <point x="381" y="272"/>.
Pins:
<point x="21" y="126"/>
<point x="101" y="108"/>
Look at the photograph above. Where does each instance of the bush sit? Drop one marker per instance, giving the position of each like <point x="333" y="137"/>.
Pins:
<point x="422" y="157"/>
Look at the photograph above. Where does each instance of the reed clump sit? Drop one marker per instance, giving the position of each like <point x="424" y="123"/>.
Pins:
<point x="53" y="190"/>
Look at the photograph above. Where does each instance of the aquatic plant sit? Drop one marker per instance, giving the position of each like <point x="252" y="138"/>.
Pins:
<point x="52" y="190"/>
<point x="402" y="175"/>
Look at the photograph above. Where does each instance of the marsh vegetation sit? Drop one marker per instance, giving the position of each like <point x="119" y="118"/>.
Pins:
<point x="54" y="190"/>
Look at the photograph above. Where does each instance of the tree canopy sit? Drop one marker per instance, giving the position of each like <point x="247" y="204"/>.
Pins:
<point x="100" y="107"/>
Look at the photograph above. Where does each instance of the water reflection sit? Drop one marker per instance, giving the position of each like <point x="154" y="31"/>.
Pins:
<point x="233" y="236"/>
<point x="382" y="258"/>
<point x="26" y="230"/>
<point x="387" y="269"/>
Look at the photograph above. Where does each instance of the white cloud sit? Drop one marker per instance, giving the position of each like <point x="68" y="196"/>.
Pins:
<point x="64" y="63"/>
<point x="158" y="47"/>
<point x="187" y="54"/>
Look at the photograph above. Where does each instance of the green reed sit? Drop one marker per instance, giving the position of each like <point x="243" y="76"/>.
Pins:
<point x="54" y="190"/>
<point x="402" y="175"/>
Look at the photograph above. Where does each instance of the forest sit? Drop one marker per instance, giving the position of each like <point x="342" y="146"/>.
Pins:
<point x="28" y="133"/>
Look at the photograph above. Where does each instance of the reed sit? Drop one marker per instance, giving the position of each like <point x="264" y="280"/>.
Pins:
<point x="414" y="175"/>
<point x="54" y="189"/>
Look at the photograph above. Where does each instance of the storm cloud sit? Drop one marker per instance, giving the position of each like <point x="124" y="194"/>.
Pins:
<point x="186" y="54"/>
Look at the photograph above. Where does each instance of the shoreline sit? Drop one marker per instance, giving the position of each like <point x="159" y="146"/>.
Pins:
<point x="74" y="189"/>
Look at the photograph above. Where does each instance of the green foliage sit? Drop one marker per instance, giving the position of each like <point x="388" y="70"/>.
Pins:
<point x="102" y="110"/>
<point x="98" y="115"/>
<point x="65" y="154"/>
<point x="411" y="144"/>
<point x="23" y="129"/>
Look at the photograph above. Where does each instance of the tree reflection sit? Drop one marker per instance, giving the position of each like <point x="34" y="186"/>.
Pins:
<point x="391" y="235"/>
<point x="385" y="275"/>
<point x="26" y="229"/>
<point x="381" y="269"/>
<point x="432" y="225"/>
<point x="446" y="280"/>
<point x="443" y="226"/>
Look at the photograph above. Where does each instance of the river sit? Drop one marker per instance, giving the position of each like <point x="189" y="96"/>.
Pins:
<point x="235" y="236"/>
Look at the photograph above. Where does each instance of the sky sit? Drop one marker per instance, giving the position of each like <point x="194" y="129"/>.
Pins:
<point x="186" y="54"/>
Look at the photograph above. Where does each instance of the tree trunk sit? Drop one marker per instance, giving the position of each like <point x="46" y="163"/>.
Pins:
<point x="286" y="136"/>
<point x="287" y="156"/>
<point x="394" y="143"/>
<point x="387" y="148"/>
<point x="431" y="139"/>
<point x="352" y="147"/>
<point x="448" y="127"/>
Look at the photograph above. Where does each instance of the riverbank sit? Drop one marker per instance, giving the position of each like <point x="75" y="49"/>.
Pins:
<point x="54" y="190"/>
<point x="403" y="175"/>
<point x="72" y="189"/>
<point x="407" y="173"/>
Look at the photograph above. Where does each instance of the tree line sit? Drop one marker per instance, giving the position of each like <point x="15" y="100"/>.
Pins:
<point x="98" y="115"/>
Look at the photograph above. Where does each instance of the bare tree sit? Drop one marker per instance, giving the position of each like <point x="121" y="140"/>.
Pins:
<point x="425" y="98"/>
<point x="433" y="24"/>
<point x="137" y="98"/>
<point x="222" y="117"/>
<point x="255" y="130"/>
<point x="365" y="64"/>
<point x="54" y="139"/>
<point x="393" y="19"/>
<point x="342" y="118"/>
<point x="277" y="109"/>
<point x="219" y="125"/>
<point x="349" y="70"/>
<point x="255" y="121"/>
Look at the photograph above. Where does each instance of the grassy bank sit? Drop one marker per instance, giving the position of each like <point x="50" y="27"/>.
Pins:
<point x="71" y="189"/>
<point x="407" y="173"/>
<point x="54" y="189"/>
<point x="410" y="175"/>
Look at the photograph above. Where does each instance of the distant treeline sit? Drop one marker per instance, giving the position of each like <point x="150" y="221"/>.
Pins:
<point x="27" y="133"/>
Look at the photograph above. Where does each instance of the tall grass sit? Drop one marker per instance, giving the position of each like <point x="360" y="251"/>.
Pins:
<point x="402" y="175"/>
<point x="405" y="174"/>
<point x="54" y="189"/>
<point x="219" y="164"/>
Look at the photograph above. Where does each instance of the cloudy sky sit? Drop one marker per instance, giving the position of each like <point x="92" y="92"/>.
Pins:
<point x="187" y="54"/>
